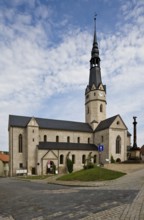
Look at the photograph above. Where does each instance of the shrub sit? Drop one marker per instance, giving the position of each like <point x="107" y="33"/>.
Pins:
<point x="112" y="159"/>
<point x="89" y="165"/>
<point x="69" y="165"/>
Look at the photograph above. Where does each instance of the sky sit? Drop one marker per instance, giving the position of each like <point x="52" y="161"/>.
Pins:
<point x="44" y="60"/>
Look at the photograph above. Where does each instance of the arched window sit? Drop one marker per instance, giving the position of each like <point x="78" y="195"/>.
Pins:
<point x="83" y="158"/>
<point x="20" y="143"/>
<point x="73" y="158"/>
<point x="68" y="139"/>
<point x="88" y="140"/>
<point x="101" y="108"/>
<point x="118" y="145"/>
<point x="78" y="139"/>
<point x="45" y="138"/>
<point x="57" y="139"/>
<point x="95" y="159"/>
<point x="61" y="159"/>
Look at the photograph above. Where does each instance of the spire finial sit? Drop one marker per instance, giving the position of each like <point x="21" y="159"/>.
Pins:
<point x="95" y="15"/>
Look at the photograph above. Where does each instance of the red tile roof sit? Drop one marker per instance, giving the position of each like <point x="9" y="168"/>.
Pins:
<point x="4" y="157"/>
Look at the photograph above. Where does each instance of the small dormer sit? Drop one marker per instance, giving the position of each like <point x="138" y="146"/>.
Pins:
<point x="94" y="124"/>
<point x="33" y="123"/>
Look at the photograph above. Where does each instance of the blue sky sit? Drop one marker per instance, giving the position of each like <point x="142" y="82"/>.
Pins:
<point x="44" y="61"/>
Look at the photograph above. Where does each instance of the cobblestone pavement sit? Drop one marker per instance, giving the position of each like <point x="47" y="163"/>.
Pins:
<point x="121" y="199"/>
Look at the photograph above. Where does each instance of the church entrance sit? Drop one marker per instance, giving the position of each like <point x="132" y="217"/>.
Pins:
<point x="51" y="167"/>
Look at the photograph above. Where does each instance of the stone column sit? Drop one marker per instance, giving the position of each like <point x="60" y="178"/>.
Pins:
<point x="134" y="133"/>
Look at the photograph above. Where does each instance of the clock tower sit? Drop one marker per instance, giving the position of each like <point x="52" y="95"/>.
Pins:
<point x="95" y="94"/>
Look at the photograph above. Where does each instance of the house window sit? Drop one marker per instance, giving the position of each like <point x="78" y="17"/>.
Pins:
<point x="20" y="143"/>
<point x="118" y="145"/>
<point x="21" y="165"/>
<point x="95" y="159"/>
<point x="33" y="139"/>
<point x="88" y="140"/>
<point x="73" y="158"/>
<point x="78" y="139"/>
<point x="68" y="139"/>
<point x="83" y="158"/>
<point x="45" y="138"/>
<point x="61" y="159"/>
<point x="57" y="139"/>
<point x="101" y="108"/>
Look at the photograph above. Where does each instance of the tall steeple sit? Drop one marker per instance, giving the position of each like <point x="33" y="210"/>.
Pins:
<point x="95" y="71"/>
<point x="95" y="94"/>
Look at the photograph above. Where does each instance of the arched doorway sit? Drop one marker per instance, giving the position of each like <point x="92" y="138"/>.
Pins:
<point x="51" y="167"/>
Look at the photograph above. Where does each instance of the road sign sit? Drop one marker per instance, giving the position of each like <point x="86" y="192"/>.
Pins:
<point x="100" y="148"/>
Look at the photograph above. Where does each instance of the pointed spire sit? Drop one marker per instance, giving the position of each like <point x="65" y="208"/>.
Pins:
<point x="95" y="60"/>
<point x="95" y="37"/>
<point x="95" y="71"/>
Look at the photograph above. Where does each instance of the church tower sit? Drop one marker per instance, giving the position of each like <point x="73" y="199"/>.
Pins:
<point x="95" y="94"/>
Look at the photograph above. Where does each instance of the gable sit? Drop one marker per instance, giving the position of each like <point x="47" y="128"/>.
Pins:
<point x="33" y="122"/>
<point x="118" y="123"/>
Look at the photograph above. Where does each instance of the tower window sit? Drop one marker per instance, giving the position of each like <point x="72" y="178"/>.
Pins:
<point x="20" y="143"/>
<point x="45" y="138"/>
<point x="101" y="108"/>
<point x="118" y="145"/>
<point x="88" y="140"/>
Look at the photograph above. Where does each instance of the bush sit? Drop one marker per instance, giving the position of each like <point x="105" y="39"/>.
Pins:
<point x="89" y="165"/>
<point x="112" y="159"/>
<point x="69" y="165"/>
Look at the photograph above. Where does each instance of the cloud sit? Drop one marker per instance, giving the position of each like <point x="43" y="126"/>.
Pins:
<point x="35" y="67"/>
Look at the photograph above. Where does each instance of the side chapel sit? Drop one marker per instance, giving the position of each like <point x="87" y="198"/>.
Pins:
<point x="36" y="144"/>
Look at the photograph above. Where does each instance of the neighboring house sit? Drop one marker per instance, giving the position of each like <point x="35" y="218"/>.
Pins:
<point x="4" y="164"/>
<point x="142" y="152"/>
<point x="36" y="144"/>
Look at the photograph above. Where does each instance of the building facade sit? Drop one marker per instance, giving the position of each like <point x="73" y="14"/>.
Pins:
<point x="37" y="145"/>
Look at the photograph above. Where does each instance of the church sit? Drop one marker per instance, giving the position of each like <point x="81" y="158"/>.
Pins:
<point x="37" y="144"/>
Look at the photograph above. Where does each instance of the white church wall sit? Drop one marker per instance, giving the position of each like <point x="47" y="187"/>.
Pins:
<point x="113" y="134"/>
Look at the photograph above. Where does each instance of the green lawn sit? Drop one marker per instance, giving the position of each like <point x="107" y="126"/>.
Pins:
<point x="94" y="174"/>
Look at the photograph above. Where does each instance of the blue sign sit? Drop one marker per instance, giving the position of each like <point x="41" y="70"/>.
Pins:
<point x="100" y="148"/>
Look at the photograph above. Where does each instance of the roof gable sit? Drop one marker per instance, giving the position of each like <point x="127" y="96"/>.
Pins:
<point x="33" y="122"/>
<point x="105" y="123"/>
<point x="111" y="123"/>
<point x="118" y="123"/>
